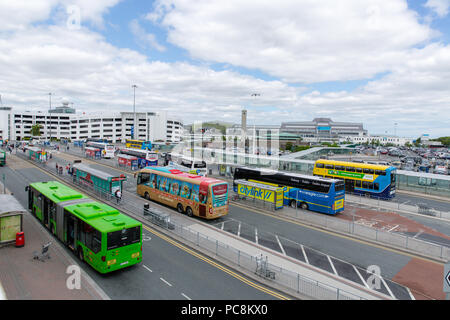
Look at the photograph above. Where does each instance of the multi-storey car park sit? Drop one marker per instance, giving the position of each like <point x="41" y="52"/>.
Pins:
<point x="112" y="126"/>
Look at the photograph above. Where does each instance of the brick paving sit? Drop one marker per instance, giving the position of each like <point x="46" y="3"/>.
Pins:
<point x="24" y="278"/>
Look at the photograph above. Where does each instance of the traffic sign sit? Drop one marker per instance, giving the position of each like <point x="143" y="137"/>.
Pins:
<point x="447" y="277"/>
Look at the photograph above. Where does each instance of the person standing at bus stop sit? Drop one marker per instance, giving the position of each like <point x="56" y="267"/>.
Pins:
<point x="118" y="195"/>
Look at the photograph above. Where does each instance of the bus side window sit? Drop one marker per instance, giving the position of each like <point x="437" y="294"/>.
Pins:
<point x="143" y="178"/>
<point x="376" y="186"/>
<point x="358" y="183"/>
<point x="319" y="165"/>
<point x="175" y="187"/>
<point x="152" y="183"/>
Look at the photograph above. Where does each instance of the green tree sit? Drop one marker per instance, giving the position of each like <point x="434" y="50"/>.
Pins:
<point x="289" y="146"/>
<point x="36" y="130"/>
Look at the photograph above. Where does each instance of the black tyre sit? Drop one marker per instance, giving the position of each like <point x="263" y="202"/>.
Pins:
<point x="304" y="206"/>
<point x="180" y="208"/>
<point x="189" y="212"/>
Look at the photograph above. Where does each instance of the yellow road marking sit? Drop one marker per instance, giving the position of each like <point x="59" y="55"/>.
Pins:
<point x="226" y="270"/>
<point x="339" y="235"/>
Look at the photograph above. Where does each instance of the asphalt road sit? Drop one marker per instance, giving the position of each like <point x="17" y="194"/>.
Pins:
<point x="167" y="271"/>
<point x="357" y="253"/>
<point x="349" y="250"/>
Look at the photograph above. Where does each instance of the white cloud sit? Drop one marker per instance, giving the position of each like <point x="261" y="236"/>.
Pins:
<point x="143" y="38"/>
<point x="82" y="66"/>
<point x="298" y="41"/>
<point x="440" y="7"/>
<point x="18" y="14"/>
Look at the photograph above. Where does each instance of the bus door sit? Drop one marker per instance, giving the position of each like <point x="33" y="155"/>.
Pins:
<point x="202" y="199"/>
<point x="45" y="212"/>
<point x="349" y="185"/>
<point x="70" y="231"/>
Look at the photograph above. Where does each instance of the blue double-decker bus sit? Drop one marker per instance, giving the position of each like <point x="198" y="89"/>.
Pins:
<point x="307" y="192"/>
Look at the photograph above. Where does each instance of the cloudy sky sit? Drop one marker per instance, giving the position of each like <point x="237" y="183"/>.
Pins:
<point x="383" y="63"/>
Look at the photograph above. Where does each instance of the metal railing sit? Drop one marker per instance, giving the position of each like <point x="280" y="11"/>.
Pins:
<point x="285" y="278"/>
<point x="351" y="227"/>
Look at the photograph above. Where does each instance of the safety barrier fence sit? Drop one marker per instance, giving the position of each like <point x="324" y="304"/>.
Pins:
<point x="281" y="276"/>
<point x="391" y="238"/>
<point x="352" y="227"/>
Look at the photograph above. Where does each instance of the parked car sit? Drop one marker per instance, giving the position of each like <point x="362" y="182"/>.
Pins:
<point x="440" y="170"/>
<point x="409" y="166"/>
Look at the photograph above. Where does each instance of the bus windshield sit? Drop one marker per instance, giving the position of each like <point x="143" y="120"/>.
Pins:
<point x="339" y="186"/>
<point x="123" y="237"/>
<point x="220" y="189"/>
<point x="219" y="192"/>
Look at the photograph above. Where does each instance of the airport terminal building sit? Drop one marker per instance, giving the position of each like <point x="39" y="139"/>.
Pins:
<point x="323" y="130"/>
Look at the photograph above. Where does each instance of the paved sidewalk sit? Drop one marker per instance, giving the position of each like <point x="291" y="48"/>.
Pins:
<point x="24" y="278"/>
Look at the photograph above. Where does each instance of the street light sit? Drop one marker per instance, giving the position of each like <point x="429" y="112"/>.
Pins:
<point x="50" y="116"/>
<point x="134" y="110"/>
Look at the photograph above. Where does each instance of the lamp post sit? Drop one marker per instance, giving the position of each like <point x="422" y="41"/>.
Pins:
<point x="134" y="110"/>
<point x="50" y="116"/>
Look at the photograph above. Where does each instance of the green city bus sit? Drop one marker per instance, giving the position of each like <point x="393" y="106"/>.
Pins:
<point x="97" y="233"/>
<point x="2" y="158"/>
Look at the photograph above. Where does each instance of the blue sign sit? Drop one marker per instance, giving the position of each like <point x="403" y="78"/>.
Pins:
<point x="324" y="128"/>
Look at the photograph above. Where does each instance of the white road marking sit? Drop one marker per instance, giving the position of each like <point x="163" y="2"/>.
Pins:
<point x="360" y="276"/>
<point x="2" y="293"/>
<point x="147" y="268"/>
<point x="387" y="287"/>
<point x="332" y="265"/>
<point x="165" y="282"/>
<point x="279" y="243"/>
<point x="185" y="296"/>
<point x="393" y="228"/>
<point x="304" y="254"/>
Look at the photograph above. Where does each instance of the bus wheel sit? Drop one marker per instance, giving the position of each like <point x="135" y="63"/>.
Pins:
<point x="304" y="206"/>
<point x="180" y="208"/>
<point x="147" y="196"/>
<point x="293" y="204"/>
<point x="189" y="212"/>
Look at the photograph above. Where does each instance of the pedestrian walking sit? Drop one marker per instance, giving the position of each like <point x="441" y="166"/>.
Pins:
<point x="118" y="195"/>
<point x="57" y="169"/>
<point x="61" y="170"/>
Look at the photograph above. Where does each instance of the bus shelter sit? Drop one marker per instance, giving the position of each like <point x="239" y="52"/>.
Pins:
<point x="93" y="153"/>
<point x="78" y="143"/>
<point x="2" y="158"/>
<point x="102" y="182"/>
<point x="37" y="154"/>
<point x="128" y="161"/>
<point x="11" y="218"/>
<point x="261" y="195"/>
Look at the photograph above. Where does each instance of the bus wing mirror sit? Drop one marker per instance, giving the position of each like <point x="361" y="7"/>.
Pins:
<point x="27" y="188"/>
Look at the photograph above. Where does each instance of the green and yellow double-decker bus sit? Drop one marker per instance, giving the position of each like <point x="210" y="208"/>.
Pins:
<point x="2" y="158"/>
<point x="97" y="233"/>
